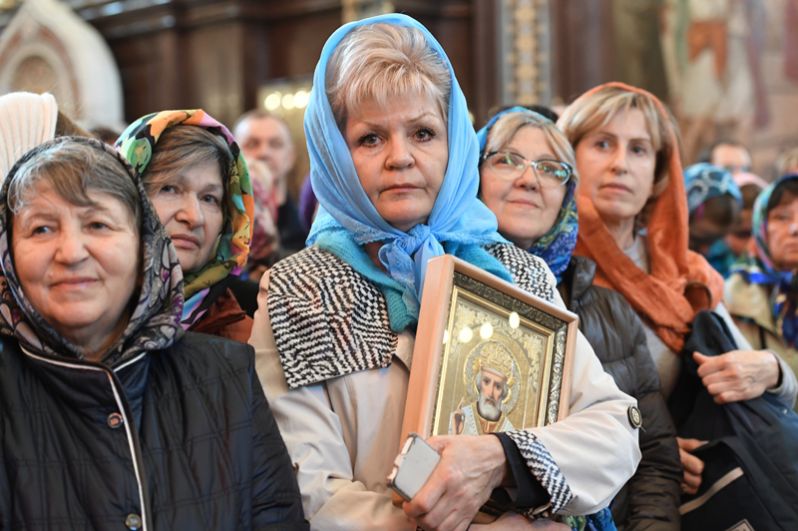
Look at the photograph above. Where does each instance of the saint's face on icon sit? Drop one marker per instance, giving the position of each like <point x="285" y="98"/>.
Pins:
<point x="492" y="388"/>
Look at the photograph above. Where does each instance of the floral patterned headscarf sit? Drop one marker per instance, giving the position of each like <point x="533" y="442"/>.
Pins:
<point x="154" y="322"/>
<point x="137" y="145"/>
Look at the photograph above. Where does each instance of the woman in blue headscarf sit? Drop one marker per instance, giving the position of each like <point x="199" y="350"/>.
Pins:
<point x="761" y="293"/>
<point x="713" y="202"/>
<point x="394" y="166"/>
<point x="528" y="180"/>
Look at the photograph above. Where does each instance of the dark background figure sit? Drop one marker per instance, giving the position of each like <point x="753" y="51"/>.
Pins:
<point x="738" y="242"/>
<point x="713" y="204"/>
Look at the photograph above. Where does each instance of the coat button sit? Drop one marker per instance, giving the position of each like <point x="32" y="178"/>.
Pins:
<point x="635" y="417"/>
<point x="133" y="522"/>
<point x="115" y="420"/>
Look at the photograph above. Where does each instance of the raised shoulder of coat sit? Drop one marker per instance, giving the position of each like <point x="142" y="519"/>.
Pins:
<point x="529" y="272"/>
<point x="327" y="319"/>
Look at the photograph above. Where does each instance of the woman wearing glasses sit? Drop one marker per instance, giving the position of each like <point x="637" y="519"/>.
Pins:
<point x="527" y="180"/>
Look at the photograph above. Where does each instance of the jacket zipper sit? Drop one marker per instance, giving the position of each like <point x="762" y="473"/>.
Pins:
<point x="138" y="469"/>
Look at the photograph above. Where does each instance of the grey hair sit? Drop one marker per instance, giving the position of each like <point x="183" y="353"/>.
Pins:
<point x="74" y="169"/>
<point x="506" y="127"/>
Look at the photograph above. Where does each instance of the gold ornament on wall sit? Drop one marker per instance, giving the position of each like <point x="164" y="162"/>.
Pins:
<point x="527" y="49"/>
<point x="360" y="9"/>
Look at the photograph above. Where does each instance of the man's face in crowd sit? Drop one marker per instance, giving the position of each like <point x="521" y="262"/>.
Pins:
<point x="267" y="139"/>
<point x="734" y="158"/>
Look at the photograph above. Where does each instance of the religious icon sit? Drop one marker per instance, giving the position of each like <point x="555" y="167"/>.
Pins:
<point x="488" y="356"/>
<point x="493" y="374"/>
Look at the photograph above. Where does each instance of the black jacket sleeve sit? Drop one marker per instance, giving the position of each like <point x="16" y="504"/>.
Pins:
<point x="527" y="493"/>
<point x="653" y="492"/>
<point x="650" y="499"/>
<point x="276" y="503"/>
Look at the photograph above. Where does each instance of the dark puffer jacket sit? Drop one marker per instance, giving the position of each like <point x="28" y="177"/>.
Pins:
<point x="651" y="498"/>
<point x="176" y="439"/>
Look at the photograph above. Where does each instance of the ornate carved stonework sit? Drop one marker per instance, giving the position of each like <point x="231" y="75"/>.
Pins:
<point x="526" y="51"/>
<point x="360" y="9"/>
<point x="47" y="48"/>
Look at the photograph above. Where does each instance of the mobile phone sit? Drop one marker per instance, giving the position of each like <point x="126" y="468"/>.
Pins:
<point x="413" y="466"/>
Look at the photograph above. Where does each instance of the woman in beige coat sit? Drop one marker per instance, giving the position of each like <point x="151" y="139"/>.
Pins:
<point x="394" y="165"/>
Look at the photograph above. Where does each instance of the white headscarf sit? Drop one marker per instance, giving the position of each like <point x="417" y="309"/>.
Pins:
<point x="26" y="121"/>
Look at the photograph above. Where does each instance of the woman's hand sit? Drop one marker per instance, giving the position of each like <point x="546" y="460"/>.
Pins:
<point x="516" y="522"/>
<point x="469" y="469"/>
<point x="693" y="466"/>
<point x="738" y="374"/>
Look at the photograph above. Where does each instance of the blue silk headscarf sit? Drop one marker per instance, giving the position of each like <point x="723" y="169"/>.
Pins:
<point x="557" y="245"/>
<point x="347" y="219"/>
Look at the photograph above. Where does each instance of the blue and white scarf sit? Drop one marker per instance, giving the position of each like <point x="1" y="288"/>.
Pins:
<point x="704" y="181"/>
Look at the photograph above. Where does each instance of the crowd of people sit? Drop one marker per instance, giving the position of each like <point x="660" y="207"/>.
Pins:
<point x="185" y="347"/>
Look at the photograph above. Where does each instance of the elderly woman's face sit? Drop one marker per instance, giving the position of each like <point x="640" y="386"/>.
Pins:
<point x="616" y="166"/>
<point x="400" y="152"/>
<point x="77" y="265"/>
<point x="782" y="232"/>
<point x="189" y="205"/>
<point x="526" y="205"/>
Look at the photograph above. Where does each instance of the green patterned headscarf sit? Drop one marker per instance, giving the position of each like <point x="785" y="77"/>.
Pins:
<point x="137" y="145"/>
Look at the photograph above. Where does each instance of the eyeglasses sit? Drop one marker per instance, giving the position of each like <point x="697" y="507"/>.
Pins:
<point x="511" y="165"/>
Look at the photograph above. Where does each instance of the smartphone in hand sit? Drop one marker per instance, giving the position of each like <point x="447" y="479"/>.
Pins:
<point x="413" y="466"/>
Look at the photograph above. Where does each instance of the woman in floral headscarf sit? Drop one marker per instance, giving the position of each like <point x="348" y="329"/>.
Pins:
<point x="394" y="167"/>
<point x="110" y="414"/>
<point x="199" y="184"/>
<point x="761" y="294"/>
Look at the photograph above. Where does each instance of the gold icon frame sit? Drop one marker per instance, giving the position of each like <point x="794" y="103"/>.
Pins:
<point x="471" y="320"/>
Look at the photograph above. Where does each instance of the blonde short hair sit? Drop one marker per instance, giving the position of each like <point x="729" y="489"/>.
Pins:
<point x="506" y="127"/>
<point x="380" y="62"/>
<point x="597" y="108"/>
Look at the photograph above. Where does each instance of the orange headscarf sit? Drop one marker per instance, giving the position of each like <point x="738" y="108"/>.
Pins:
<point x="681" y="282"/>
